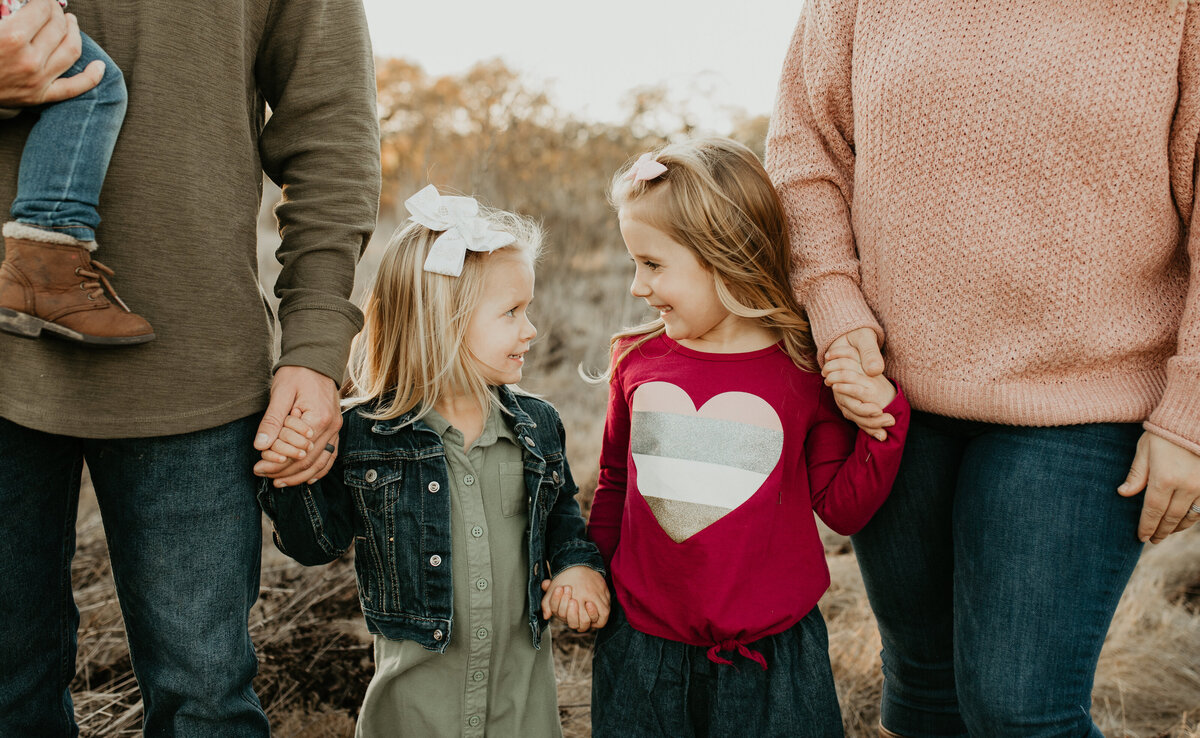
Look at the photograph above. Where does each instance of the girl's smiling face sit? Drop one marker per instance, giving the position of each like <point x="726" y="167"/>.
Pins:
<point x="499" y="332"/>
<point x="673" y="281"/>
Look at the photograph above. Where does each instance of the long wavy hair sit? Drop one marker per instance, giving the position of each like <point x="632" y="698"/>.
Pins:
<point x="412" y="350"/>
<point x="716" y="199"/>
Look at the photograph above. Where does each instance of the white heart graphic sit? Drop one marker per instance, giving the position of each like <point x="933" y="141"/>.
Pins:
<point x="694" y="467"/>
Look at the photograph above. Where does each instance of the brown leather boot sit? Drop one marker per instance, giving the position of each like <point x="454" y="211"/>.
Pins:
<point x="51" y="283"/>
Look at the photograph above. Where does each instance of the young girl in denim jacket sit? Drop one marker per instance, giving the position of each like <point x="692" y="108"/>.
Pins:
<point x="49" y="282"/>
<point x="452" y="485"/>
<point x="720" y="442"/>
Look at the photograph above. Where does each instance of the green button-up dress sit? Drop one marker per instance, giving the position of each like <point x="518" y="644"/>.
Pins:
<point x="490" y="680"/>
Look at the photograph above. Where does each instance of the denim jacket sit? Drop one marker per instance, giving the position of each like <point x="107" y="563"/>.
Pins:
<point x="388" y="493"/>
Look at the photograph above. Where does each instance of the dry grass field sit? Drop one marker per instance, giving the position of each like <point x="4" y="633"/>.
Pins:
<point x="486" y="134"/>
<point x="316" y="655"/>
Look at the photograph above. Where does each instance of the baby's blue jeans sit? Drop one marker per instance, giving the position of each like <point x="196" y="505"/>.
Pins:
<point x="66" y="155"/>
<point x="994" y="569"/>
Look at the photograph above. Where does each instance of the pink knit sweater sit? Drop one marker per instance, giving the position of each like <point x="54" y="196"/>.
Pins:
<point x="1006" y="186"/>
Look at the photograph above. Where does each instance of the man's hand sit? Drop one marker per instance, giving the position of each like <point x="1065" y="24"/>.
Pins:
<point x="315" y="396"/>
<point x="1170" y="474"/>
<point x="38" y="43"/>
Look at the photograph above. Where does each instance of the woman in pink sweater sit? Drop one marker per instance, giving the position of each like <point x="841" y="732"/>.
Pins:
<point x="1004" y="191"/>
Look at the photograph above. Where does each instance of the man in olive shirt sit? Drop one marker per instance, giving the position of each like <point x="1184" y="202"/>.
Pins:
<point x="169" y="429"/>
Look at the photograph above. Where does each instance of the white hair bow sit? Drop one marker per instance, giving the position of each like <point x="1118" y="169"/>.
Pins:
<point x="462" y="225"/>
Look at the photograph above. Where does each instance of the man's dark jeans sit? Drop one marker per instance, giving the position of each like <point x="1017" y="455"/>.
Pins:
<point x="184" y="538"/>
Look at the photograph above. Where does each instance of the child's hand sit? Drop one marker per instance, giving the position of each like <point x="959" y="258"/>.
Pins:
<point x="578" y="596"/>
<point x="862" y="394"/>
<point x="294" y="441"/>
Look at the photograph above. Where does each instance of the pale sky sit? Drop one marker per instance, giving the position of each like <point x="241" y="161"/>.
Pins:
<point x="589" y="54"/>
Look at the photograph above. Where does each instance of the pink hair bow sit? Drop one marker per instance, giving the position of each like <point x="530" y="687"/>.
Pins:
<point x="644" y="169"/>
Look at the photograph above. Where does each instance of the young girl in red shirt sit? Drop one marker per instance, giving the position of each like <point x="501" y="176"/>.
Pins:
<point x="721" y="440"/>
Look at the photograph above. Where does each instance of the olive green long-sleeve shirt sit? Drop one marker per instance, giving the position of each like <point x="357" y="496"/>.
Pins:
<point x="180" y="204"/>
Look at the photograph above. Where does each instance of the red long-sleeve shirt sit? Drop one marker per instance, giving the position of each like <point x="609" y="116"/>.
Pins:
<point x="711" y="468"/>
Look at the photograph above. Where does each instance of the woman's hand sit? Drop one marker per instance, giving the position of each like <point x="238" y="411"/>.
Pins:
<point x="1170" y="474"/>
<point x="862" y="346"/>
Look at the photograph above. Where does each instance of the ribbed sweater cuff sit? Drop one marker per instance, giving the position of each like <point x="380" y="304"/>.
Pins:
<point x="835" y="306"/>
<point x="317" y="339"/>
<point x="1177" y="417"/>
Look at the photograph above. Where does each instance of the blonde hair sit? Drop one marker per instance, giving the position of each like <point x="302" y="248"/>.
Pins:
<point x="716" y="199"/>
<point x="412" y="350"/>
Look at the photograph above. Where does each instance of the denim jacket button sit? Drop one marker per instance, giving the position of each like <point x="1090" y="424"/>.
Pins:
<point x="437" y="635"/>
<point x="435" y="560"/>
<point x="535" y="568"/>
<point x="554" y="475"/>
<point x="434" y="486"/>
<point x="529" y="442"/>
<point x="371" y="475"/>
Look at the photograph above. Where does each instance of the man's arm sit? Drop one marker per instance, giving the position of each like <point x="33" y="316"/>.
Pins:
<point x="38" y="44"/>
<point x="321" y="146"/>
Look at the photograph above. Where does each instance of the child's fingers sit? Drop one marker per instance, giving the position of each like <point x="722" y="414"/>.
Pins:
<point x="574" y="622"/>
<point x="593" y="613"/>
<point x="842" y="365"/>
<point x="286" y="449"/>
<point x="274" y="457"/>
<point x="841" y="352"/>
<point x="844" y="376"/>
<point x="294" y="422"/>
<point x="546" y="599"/>
<point x="294" y="438"/>
<point x="564" y="603"/>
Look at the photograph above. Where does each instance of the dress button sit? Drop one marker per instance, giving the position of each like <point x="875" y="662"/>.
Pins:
<point x="477" y="531"/>
<point x="482" y="584"/>
<point x="481" y="633"/>
<point x="435" y="560"/>
<point x="477" y="676"/>
<point x="469" y="480"/>
<point x="371" y="475"/>
<point x="433" y="486"/>
<point x="474" y="721"/>
<point x="437" y="635"/>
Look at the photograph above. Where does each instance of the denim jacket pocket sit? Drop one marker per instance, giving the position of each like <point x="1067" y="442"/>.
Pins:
<point x="377" y="481"/>
<point x="513" y="496"/>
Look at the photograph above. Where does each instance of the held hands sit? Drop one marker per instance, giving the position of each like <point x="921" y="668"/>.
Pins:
<point x="301" y="422"/>
<point x="1170" y="474"/>
<point x="39" y="43"/>
<point x="854" y="370"/>
<point x="578" y="596"/>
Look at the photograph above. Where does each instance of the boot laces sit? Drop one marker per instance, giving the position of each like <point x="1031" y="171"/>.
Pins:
<point x="98" y="282"/>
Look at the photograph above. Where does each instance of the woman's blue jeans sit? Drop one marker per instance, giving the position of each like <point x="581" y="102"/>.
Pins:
<point x="994" y="569"/>
<point x="67" y="152"/>
<point x="184" y="539"/>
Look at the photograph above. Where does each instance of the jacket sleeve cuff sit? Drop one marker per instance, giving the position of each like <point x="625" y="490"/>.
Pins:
<point x="835" y="306"/>
<point x="1177" y="417"/>
<point x="318" y="339"/>
<point x="577" y="553"/>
